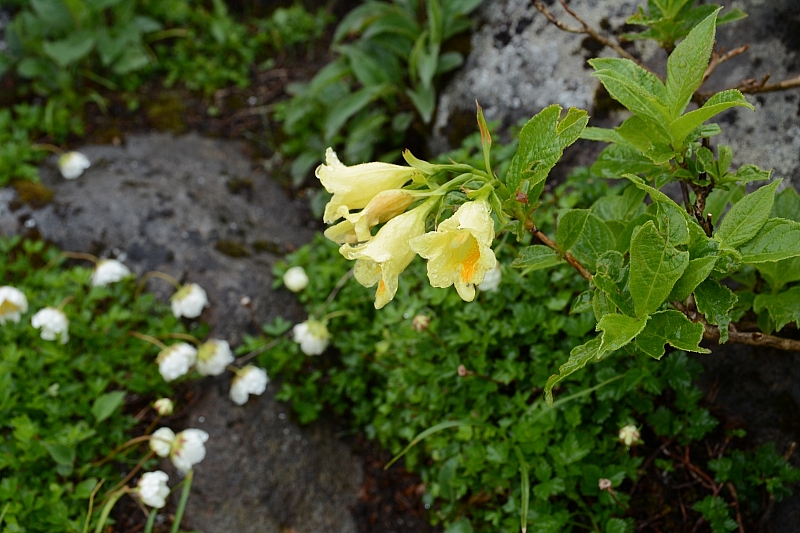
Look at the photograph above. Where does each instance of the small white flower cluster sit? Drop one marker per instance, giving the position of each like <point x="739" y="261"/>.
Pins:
<point x="185" y="449"/>
<point x="312" y="336"/>
<point x="189" y="301"/>
<point x="629" y="435"/>
<point x="72" y="164"/>
<point x="152" y="489"/>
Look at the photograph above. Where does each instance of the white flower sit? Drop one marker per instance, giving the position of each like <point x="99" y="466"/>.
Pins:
<point x="421" y="323"/>
<point x="161" y="441"/>
<point x="188" y="449"/>
<point x="164" y="406"/>
<point x="312" y="336"/>
<point x="189" y="301"/>
<point x="72" y="164"/>
<point x="492" y="279"/>
<point x="213" y="357"/>
<point x="249" y="380"/>
<point x="152" y="489"/>
<point x="295" y="279"/>
<point x="174" y="361"/>
<point x="109" y="271"/>
<point x="604" y="484"/>
<point x="12" y="304"/>
<point x="629" y="435"/>
<point x="53" y="323"/>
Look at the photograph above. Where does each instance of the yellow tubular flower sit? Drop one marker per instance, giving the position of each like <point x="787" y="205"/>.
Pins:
<point x="459" y="252"/>
<point x="384" y="257"/>
<point x="353" y="187"/>
<point x="356" y="227"/>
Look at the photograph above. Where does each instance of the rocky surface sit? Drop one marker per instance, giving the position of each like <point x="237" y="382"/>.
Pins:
<point x="183" y="206"/>
<point x="520" y="63"/>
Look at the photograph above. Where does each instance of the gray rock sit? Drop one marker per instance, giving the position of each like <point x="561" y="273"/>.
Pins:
<point x="164" y="203"/>
<point x="520" y="63"/>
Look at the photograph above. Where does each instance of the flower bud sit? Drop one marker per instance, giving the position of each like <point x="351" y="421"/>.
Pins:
<point x="12" y="304"/>
<point x="53" y="323"/>
<point x="295" y="279"/>
<point x="249" y="380"/>
<point x="164" y="406"/>
<point x="420" y="323"/>
<point x="189" y="301"/>
<point x="629" y="435"/>
<point x="161" y="441"/>
<point x="152" y="489"/>
<point x="109" y="271"/>
<point x="604" y="484"/>
<point x="213" y="357"/>
<point x="72" y="164"/>
<point x="312" y="336"/>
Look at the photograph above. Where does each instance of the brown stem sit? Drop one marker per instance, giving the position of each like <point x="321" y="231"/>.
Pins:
<point x="536" y="232"/>
<point x="718" y="59"/>
<point x="586" y="29"/>
<point x="735" y="495"/>
<point x="753" y="86"/>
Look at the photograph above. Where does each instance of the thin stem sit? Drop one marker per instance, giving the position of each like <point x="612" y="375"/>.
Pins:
<point x="64" y="302"/>
<point x="183" y="336"/>
<point x="134" y="470"/>
<point x="107" y="458"/>
<point x="151" y="519"/>
<point x="80" y="255"/>
<point x="531" y="227"/>
<point x="156" y="274"/>
<point x="247" y="357"/>
<point x="148" y="338"/>
<point x="91" y="506"/>
<point x="5" y="510"/>
<point x="717" y="60"/>
<point x="107" y="510"/>
<point x="46" y="147"/>
<point x="337" y="288"/>
<point x="182" y="503"/>
<point x="335" y="314"/>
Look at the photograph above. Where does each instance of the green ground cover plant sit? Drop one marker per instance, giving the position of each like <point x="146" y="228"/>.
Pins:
<point x="65" y="406"/>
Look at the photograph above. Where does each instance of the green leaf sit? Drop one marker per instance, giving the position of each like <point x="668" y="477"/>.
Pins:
<point x="541" y="142"/>
<point x="612" y="278"/>
<point x="424" y="99"/>
<point x="697" y="271"/>
<point x="655" y="267"/>
<point x="715" y="301"/>
<point x="746" y="217"/>
<point x="605" y="135"/>
<point x="673" y="328"/>
<point x="717" y="202"/>
<point x="618" y="330"/>
<point x="570" y="227"/>
<point x="69" y="50"/>
<point x="780" y="273"/>
<point x="536" y="257"/>
<point x="593" y="242"/>
<point x="578" y="357"/>
<point x="672" y="223"/>
<point x="462" y="525"/>
<point x="618" y="159"/>
<point x="348" y="106"/>
<point x="132" y="58"/>
<point x="105" y="405"/>
<point x="686" y="65"/>
<point x="366" y="68"/>
<point x="778" y="239"/>
<point x="783" y="307"/>
<point x="683" y="126"/>
<point x="61" y="453"/>
<point x="787" y="205"/>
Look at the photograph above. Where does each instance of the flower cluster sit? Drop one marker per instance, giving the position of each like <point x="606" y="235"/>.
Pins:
<point x="404" y="200"/>
<point x="185" y="449"/>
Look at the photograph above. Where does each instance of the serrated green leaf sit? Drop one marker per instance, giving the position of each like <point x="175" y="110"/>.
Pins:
<point x="61" y="453"/>
<point x="536" y="257"/>
<point x="602" y="304"/>
<point x="105" y="405"/>
<point x="541" y="142"/>
<point x="746" y="217"/>
<point x="686" y="65"/>
<point x="618" y="159"/>
<point x="581" y="303"/>
<point x="780" y="273"/>
<point x="595" y="240"/>
<point x="636" y="132"/>
<point x="349" y="106"/>
<point x="605" y="135"/>
<point x="715" y="301"/>
<point x="681" y="127"/>
<point x="618" y="330"/>
<point x="672" y="223"/>
<point x="787" y="205"/>
<point x="655" y="267"/>
<point x="570" y="227"/>
<point x="746" y="174"/>
<point x="717" y="202"/>
<point x="673" y="328"/>
<point x="778" y="239"/>
<point x="624" y="237"/>
<point x="612" y="278"/>
<point x="697" y="271"/>
<point x="783" y="308"/>
<point x="626" y="68"/>
<point x="578" y="358"/>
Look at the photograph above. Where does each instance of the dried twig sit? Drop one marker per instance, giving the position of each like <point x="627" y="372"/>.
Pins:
<point x="718" y="59"/>
<point x="585" y="29"/>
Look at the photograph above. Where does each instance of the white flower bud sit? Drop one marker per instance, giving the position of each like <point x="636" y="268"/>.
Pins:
<point x="188" y="449"/>
<point x="295" y="279"/>
<point x="152" y="489"/>
<point x="12" y="304"/>
<point x="161" y="441"/>
<point x="189" y="301"/>
<point x="53" y="323"/>
<point x="604" y="484"/>
<point x="491" y="281"/>
<point x="164" y="406"/>
<point x="420" y="323"/>
<point x="312" y="336"/>
<point x="629" y="435"/>
<point x="109" y="271"/>
<point x="174" y="361"/>
<point x="249" y="380"/>
<point x="72" y="164"/>
<point x="213" y="357"/>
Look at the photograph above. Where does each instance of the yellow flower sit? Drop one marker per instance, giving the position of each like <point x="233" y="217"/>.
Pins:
<point x="356" y="226"/>
<point x="459" y="252"/>
<point x="353" y="187"/>
<point x="381" y="259"/>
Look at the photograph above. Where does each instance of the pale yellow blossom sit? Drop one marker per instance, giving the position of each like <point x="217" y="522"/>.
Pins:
<point x="459" y="251"/>
<point x="356" y="227"/>
<point x="353" y="187"/>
